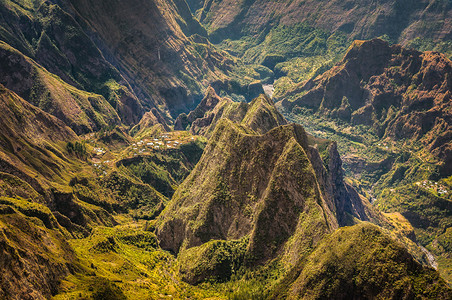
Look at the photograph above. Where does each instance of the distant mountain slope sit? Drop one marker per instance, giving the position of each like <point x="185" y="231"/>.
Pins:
<point x="401" y="20"/>
<point x="301" y="39"/>
<point x="146" y="41"/>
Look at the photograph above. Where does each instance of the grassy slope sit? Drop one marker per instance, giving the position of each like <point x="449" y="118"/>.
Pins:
<point x="55" y="40"/>
<point x="361" y="261"/>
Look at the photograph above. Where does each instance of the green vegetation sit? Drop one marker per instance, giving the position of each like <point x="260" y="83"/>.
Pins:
<point x="215" y="261"/>
<point x="78" y="149"/>
<point x="130" y="194"/>
<point x="165" y="170"/>
<point x="426" y="44"/>
<point x="97" y="202"/>
<point x="340" y="268"/>
<point x="284" y="42"/>
<point x="294" y="52"/>
<point x="125" y="262"/>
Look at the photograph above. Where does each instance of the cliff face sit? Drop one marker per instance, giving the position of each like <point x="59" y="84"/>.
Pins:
<point x="359" y="19"/>
<point x="400" y="93"/>
<point x="148" y="43"/>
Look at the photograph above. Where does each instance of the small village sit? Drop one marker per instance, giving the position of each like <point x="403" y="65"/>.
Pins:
<point x="167" y="141"/>
<point x="433" y="186"/>
<point x="102" y="158"/>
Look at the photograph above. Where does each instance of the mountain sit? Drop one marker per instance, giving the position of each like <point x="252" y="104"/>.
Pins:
<point x="389" y="107"/>
<point x="151" y="54"/>
<point x="51" y="37"/>
<point x="293" y="201"/>
<point x="35" y="254"/>
<point x="400" y="93"/>
<point x="220" y="227"/>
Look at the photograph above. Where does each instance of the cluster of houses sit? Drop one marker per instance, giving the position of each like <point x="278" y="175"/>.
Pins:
<point x="160" y="143"/>
<point x="383" y="145"/>
<point x="428" y="184"/>
<point x="100" y="166"/>
<point x="99" y="151"/>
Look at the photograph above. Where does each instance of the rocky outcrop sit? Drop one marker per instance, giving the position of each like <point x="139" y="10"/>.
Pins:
<point x="260" y="115"/>
<point x="343" y="199"/>
<point x="207" y="104"/>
